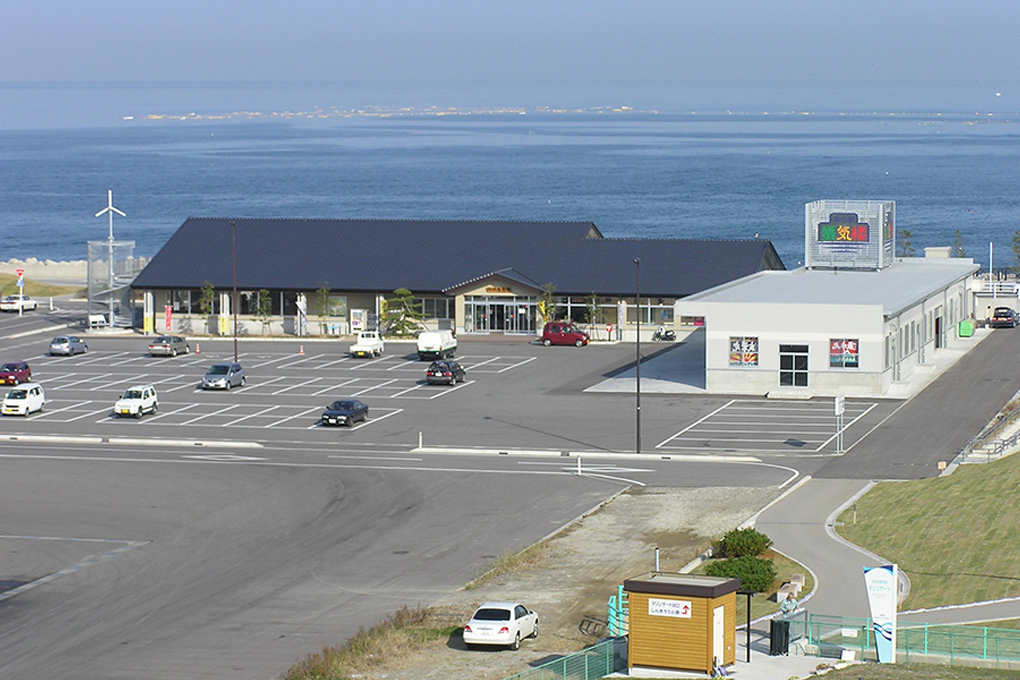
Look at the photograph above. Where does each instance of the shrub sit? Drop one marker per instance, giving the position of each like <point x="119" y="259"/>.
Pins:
<point x="755" y="573"/>
<point x="742" y="542"/>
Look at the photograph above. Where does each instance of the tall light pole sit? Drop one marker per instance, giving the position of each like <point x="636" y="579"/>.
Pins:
<point x="637" y="354"/>
<point x="233" y="300"/>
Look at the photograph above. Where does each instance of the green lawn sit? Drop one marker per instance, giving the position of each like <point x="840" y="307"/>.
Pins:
<point x="912" y="671"/>
<point x="957" y="538"/>
<point x="35" y="289"/>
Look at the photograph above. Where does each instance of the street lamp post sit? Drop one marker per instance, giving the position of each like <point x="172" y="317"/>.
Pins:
<point x="233" y="300"/>
<point x="637" y="355"/>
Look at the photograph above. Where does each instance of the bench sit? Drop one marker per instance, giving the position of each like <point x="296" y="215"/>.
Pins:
<point x="97" y="320"/>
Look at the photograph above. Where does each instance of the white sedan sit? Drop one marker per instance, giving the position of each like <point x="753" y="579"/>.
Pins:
<point x="13" y="303"/>
<point x="137" y="401"/>
<point x="501" y="623"/>
<point x="24" y="399"/>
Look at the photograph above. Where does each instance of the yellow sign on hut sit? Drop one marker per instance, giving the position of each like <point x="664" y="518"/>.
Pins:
<point x="681" y="621"/>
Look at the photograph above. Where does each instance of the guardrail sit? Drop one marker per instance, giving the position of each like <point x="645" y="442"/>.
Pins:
<point x="595" y="662"/>
<point x="829" y="636"/>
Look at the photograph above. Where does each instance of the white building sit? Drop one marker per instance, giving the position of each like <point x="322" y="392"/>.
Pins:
<point x="851" y="322"/>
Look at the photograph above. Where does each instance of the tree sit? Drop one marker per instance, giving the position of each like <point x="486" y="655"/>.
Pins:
<point x="547" y="303"/>
<point x="264" y="308"/>
<point x="957" y="250"/>
<point x="1016" y="252"/>
<point x="403" y="314"/>
<point x="593" y="313"/>
<point x="207" y="302"/>
<point x="323" y="294"/>
<point x="905" y="241"/>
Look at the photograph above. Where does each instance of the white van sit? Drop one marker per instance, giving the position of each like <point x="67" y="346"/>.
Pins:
<point x="437" y="345"/>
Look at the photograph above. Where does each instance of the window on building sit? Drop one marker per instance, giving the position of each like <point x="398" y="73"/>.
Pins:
<point x="793" y="365"/>
<point x="436" y="308"/>
<point x="743" y="351"/>
<point x="844" y="353"/>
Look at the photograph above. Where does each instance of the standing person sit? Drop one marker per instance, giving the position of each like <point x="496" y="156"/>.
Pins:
<point x="788" y="606"/>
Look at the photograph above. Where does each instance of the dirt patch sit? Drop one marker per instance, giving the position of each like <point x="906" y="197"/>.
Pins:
<point x="574" y="576"/>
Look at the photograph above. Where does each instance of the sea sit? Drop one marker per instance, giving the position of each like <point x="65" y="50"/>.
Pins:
<point x="649" y="159"/>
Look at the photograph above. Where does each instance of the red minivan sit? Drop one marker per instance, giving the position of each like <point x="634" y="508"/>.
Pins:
<point x="563" y="333"/>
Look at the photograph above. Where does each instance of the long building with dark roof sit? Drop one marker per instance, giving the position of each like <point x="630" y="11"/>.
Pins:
<point x="475" y="276"/>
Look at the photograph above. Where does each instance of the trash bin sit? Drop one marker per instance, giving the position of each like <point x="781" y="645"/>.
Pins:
<point x="779" y="638"/>
<point x="966" y="328"/>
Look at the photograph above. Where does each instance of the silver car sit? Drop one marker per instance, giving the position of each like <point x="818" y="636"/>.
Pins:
<point x="223" y="377"/>
<point x="67" y="345"/>
<point x="169" y="346"/>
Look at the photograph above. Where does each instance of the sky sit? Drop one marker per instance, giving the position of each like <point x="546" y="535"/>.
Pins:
<point x="514" y="40"/>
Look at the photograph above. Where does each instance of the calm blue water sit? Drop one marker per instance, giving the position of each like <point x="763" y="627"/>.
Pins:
<point x="706" y="162"/>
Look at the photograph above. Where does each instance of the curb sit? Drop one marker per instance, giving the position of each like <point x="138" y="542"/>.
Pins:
<point x="454" y="450"/>
<point x="127" y="441"/>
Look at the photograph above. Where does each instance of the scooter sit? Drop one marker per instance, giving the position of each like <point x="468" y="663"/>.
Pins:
<point x="663" y="335"/>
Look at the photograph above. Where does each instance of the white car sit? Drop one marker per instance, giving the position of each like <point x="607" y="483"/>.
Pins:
<point x="24" y="399"/>
<point x="369" y="344"/>
<point x="501" y="623"/>
<point x="13" y="303"/>
<point x="136" y="401"/>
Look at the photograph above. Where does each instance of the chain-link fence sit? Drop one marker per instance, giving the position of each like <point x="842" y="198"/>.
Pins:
<point x="598" y="661"/>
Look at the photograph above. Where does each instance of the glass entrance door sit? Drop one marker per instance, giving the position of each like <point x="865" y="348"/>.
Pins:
<point x="499" y="315"/>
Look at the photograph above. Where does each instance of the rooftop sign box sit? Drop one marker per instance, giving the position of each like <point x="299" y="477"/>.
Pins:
<point x="842" y="234"/>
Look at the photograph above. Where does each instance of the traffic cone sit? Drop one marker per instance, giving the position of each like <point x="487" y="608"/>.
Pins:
<point x="301" y="349"/>
<point x="198" y="348"/>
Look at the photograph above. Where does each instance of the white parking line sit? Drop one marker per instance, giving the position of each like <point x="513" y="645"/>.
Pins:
<point x="253" y="415"/>
<point x="335" y="387"/>
<point x="295" y="386"/>
<point x="299" y="361"/>
<point x="409" y="389"/>
<point x="694" y="424"/>
<point x="452" y="388"/>
<point x="136" y="380"/>
<point x="519" y="363"/>
<point x="846" y="426"/>
<point x="75" y="405"/>
<point x="103" y="358"/>
<point x="375" y="387"/>
<point x="192" y="385"/>
<point x="338" y="361"/>
<point x="164" y="414"/>
<point x="370" y="362"/>
<point x="302" y="414"/>
<point x="85" y="380"/>
<point x="487" y="361"/>
<point x="209" y="415"/>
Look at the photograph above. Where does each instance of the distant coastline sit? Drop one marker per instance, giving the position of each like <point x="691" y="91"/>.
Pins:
<point x="50" y="271"/>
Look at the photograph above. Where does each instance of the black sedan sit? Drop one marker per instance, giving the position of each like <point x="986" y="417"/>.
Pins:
<point x="344" y="412"/>
<point x="445" y="372"/>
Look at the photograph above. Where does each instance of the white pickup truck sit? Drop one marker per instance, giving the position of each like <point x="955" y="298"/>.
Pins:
<point x="369" y="344"/>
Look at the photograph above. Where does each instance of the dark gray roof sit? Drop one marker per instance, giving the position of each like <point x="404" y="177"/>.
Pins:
<point x="427" y="256"/>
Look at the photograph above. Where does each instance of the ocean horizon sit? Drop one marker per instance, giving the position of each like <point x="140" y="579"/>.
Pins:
<point x="639" y="160"/>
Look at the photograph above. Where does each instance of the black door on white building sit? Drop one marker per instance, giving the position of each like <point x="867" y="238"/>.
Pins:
<point x="793" y="365"/>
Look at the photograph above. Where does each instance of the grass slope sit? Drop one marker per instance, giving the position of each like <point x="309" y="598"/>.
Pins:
<point x="35" y="289"/>
<point x="956" y="537"/>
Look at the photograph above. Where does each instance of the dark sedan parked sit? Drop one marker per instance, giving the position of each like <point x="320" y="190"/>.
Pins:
<point x="1003" y="317"/>
<point x="445" y="373"/>
<point x="344" y="412"/>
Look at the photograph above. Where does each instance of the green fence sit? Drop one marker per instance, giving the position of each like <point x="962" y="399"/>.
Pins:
<point x="828" y="636"/>
<point x="597" y="661"/>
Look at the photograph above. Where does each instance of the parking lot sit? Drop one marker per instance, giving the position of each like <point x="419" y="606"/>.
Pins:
<point x="285" y="390"/>
<point x="762" y="426"/>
